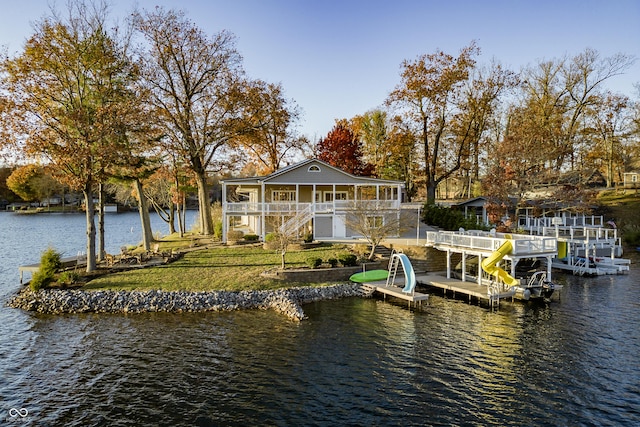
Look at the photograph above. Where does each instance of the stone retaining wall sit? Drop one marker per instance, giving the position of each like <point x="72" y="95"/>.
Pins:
<point x="319" y="275"/>
<point x="285" y="301"/>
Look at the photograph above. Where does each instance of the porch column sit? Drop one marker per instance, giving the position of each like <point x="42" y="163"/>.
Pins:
<point x="224" y="212"/>
<point x="263" y="207"/>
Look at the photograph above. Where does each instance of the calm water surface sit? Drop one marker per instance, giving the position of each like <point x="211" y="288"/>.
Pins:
<point x="353" y="362"/>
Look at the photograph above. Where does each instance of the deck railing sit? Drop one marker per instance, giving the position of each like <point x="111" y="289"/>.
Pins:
<point x="292" y="208"/>
<point x="482" y="241"/>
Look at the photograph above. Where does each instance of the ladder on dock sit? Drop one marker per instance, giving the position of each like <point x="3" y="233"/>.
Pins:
<point x="394" y="261"/>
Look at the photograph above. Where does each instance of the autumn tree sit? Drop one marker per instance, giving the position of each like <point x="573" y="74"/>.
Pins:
<point x="22" y="181"/>
<point x="562" y="92"/>
<point x="401" y="162"/>
<point x="196" y="89"/>
<point x="375" y="140"/>
<point x="341" y="148"/>
<point x="610" y="123"/>
<point x="430" y="89"/>
<point x="270" y="139"/>
<point x="69" y="93"/>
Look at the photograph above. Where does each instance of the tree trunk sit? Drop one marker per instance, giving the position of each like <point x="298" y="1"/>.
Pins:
<point x="373" y="251"/>
<point x="91" y="228"/>
<point x="143" y="210"/>
<point x="206" y="221"/>
<point x="172" y="218"/>
<point x="101" y="251"/>
<point x="431" y="191"/>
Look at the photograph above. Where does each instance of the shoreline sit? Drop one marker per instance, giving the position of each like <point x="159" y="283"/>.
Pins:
<point x="287" y="301"/>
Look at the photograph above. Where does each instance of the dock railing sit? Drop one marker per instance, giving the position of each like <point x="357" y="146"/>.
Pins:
<point x="483" y="241"/>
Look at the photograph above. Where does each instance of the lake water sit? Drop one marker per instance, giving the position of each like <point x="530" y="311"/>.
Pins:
<point x="353" y="362"/>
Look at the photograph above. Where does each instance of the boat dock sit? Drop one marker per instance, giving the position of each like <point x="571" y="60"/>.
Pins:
<point x="68" y="262"/>
<point x="415" y="298"/>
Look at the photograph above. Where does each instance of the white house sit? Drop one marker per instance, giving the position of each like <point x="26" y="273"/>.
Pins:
<point x="311" y="197"/>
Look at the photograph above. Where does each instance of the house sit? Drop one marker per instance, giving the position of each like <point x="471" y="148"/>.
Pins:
<point x="632" y="180"/>
<point x="474" y="208"/>
<point x="310" y="197"/>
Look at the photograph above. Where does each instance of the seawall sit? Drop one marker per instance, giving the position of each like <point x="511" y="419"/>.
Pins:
<point x="286" y="301"/>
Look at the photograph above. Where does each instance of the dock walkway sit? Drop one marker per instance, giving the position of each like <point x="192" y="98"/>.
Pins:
<point x="414" y="298"/>
<point x="471" y="289"/>
<point x="68" y="262"/>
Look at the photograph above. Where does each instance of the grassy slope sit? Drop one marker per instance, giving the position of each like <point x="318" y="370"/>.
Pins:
<point x="224" y="268"/>
<point x="623" y="208"/>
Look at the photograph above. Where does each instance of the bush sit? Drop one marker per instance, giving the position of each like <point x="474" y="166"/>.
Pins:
<point x="333" y="262"/>
<point x="68" y="277"/>
<point x="235" y="235"/>
<point x="632" y="237"/>
<point x="217" y="230"/>
<point x="49" y="264"/>
<point x="348" y="260"/>
<point x="449" y="219"/>
<point x="314" y="262"/>
<point x="251" y="237"/>
<point x="269" y="237"/>
<point x="308" y="238"/>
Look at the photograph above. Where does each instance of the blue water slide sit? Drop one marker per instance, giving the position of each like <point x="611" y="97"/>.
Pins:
<point x="409" y="274"/>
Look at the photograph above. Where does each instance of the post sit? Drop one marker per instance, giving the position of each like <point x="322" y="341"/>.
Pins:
<point x="418" y="228"/>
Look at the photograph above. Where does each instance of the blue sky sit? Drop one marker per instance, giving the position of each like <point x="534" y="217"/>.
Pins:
<point x="338" y="59"/>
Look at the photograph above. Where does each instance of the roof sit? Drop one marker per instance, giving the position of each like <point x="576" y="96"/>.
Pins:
<point x="301" y="173"/>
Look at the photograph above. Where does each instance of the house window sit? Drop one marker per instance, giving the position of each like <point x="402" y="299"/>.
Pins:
<point x="339" y="195"/>
<point x="375" y="221"/>
<point x="634" y="178"/>
<point x="283" y="196"/>
<point x="314" y="168"/>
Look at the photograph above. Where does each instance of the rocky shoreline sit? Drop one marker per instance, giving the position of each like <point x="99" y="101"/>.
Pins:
<point x="286" y="301"/>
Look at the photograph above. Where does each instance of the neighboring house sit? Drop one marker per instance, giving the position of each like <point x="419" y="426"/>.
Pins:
<point x="632" y="180"/>
<point x="308" y="197"/>
<point x="474" y="208"/>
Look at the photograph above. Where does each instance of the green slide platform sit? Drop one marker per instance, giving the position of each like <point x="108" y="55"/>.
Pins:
<point x="369" y="276"/>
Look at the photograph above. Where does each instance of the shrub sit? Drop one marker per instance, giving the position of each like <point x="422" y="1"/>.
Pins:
<point x="235" y="235"/>
<point x="68" y="277"/>
<point x="251" y="237"/>
<point x="49" y="264"/>
<point x="269" y="237"/>
<point x="449" y="219"/>
<point x="632" y="237"/>
<point x="308" y="238"/>
<point x="314" y="262"/>
<point x="348" y="260"/>
<point x="333" y="262"/>
<point x="217" y="230"/>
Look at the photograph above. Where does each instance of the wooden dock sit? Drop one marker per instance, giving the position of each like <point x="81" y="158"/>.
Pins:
<point x="67" y="262"/>
<point x="470" y="289"/>
<point x="414" y="298"/>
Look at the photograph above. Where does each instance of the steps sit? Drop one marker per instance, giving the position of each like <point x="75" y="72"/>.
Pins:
<point x="366" y="290"/>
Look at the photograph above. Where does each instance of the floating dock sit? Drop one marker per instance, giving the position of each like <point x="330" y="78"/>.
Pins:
<point x="586" y="244"/>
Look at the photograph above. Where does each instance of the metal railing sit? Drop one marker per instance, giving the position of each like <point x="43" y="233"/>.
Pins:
<point x="478" y="240"/>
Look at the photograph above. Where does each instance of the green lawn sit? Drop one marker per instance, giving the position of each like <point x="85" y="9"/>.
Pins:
<point x="224" y="268"/>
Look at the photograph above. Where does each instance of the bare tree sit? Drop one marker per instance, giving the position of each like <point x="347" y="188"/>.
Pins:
<point x="373" y="221"/>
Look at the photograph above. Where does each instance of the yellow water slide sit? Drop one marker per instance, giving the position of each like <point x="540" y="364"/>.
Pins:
<point x="489" y="264"/>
